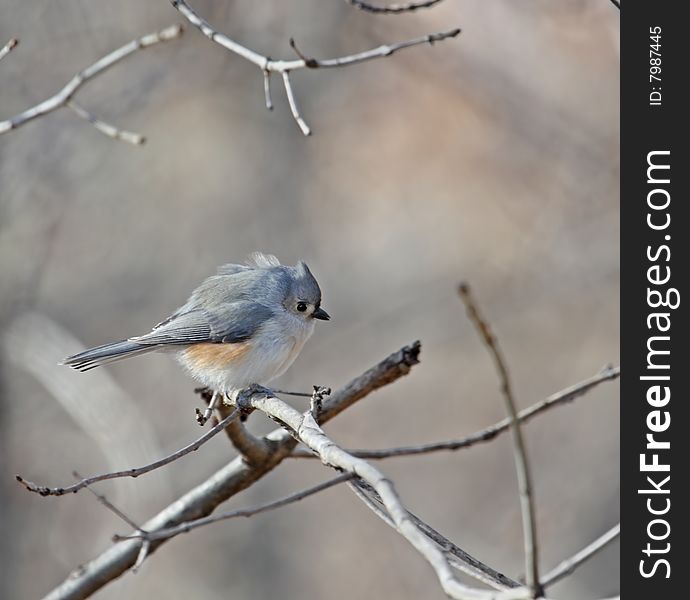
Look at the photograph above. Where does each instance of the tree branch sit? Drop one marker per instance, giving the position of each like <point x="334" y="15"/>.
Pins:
<point x="268" y="65"/>
<point x="135" y="139"/>
<point x="8" y="47"/>
<point x="242" y="512"/>
<point x="305" y="429"/>
<point x="569" y="565"/>
<point x="489" y="433"/>
<point x="529" y="525"/>
<point x="66" y="94"/>
<point x="225" y="483"/>
<point x="134" y="472"/>
<point x="392" y="9"/>
<point x="293" y="105"/>
<point x="457" y="557"/>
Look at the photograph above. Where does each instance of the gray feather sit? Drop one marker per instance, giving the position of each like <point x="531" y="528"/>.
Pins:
<point x="95" y="357"/>
<point x="224" y="323"/>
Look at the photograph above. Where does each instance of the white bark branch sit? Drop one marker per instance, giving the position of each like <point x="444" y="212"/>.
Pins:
<point x="306" y="430"/>
<point x="293" y="104"/>
<point x="135" y="139"/>
<point x="8" y="47"/>
<point x="457" y="557"/>
<point x="569" y="565"/>
<point x="268" y="65"/>
<point x="66" y="94"/>
<point x="267" y="90"/>
<point x="529" y="525"/>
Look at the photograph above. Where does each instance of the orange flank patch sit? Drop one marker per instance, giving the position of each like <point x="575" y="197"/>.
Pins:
<point x="216" y="356"/>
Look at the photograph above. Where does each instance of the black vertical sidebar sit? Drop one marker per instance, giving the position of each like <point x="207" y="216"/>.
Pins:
<point x="655" y="263"/>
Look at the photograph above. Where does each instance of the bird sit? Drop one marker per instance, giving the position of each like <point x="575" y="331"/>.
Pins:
<point x="242" y="327"/>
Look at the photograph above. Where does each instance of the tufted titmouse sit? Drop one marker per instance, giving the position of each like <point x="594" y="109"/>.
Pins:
<point x="243" y="326"/>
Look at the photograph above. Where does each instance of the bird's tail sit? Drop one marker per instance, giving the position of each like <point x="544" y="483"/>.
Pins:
<point x="107" y="353"/>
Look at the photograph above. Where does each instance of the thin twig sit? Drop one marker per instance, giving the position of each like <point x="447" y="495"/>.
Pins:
<point x="569" y="565"/>
<point x="227" y="482"/>
<point x="202" y="417"/>
<point x="145" y="544"/>
<point x="109" y="505"/>
<point x="529" y="525"/>
<point x="267" y="90"/>
<point x="67" y="93"/>
<point x="293" y="104"/>
<point x="489" y="433"/>
<point x="242" y="512"/>
<point x="59" y="491"/>
<point x="268" y="65"/>
<point x="144" y="551"/>
<point x="8" y="47"/>
<point x="135" y="139"/>
<point x="392" y="9"/>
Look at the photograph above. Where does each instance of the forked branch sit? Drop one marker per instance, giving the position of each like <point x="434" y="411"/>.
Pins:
<point x="65" y="97"/>
<point x="134" y="472"/>
<point x="488" y="433"/>
<point x="227" y="482"/>
<point x="284" y="67"/>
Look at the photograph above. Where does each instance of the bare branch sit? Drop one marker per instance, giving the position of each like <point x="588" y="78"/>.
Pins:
<point x="135" y="139"/>
<point x="569" y="565"/>
<point x="529" y="525"/>
<point x="267" y="90"/>
<point x="8" y="47"/>
<point x="203" y="417"/>
<point x="109" y="505"/>
<point x="293" y="105"/>
<point x="135" y="472"/>
<point x="305" y="428"/>
<point x="145" y="545"/>
<point x="255" y="450"/>
<point x="242" y="512"/>
<point x="392" y="9"/>
<point x="268" y="65"/>
<point x="144" y="551"/>
<point x="489" y="433"/>
<point x="66" y="94"/>
<point x="457" y="557"/>
<point x="228" y="481"/>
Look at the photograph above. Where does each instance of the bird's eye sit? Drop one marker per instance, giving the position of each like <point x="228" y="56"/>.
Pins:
<point x="301" y="306"/>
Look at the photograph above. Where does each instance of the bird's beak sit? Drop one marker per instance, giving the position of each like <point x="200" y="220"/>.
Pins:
<point x="321" y="314"/>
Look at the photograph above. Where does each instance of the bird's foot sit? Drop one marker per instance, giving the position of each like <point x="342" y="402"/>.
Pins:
<point x="242" y="399"/>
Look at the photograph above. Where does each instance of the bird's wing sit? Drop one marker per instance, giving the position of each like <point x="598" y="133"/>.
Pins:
<point x="228" y="323"/>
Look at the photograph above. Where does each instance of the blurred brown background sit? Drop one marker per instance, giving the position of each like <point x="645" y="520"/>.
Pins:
<point x="492" y="158"/>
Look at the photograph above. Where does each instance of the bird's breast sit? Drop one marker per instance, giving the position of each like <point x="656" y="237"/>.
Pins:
<point x="216" y="356"/>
